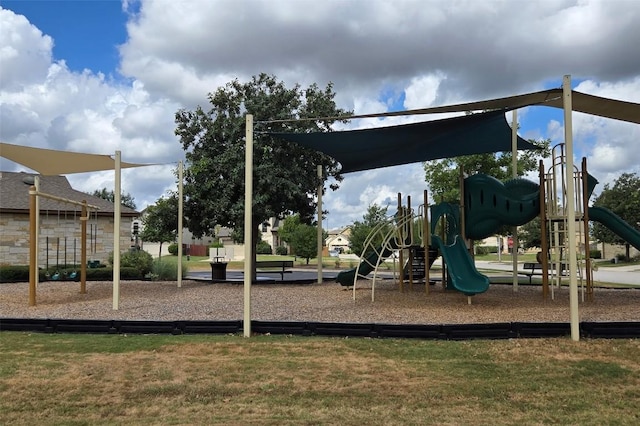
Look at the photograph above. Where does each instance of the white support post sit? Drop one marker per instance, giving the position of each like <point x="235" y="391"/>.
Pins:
<point x="320" y="188"/>
<point x="180" y="214"/>
<point x="571" y="208"/>
<point x="116" y="233"/>
<point x="248" y="234"/>
<point x="514" y="167"/>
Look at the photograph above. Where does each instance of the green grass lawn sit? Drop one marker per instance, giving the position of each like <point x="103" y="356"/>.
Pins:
<point x="49" y="379"/>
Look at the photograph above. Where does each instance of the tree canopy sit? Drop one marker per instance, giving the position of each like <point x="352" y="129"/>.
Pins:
<point x="623" y="199"/>
<point x="285" y="177"/>
<point x="301" y="237"/>
<point x="442" y="176"/>
<point x="360" y="230"/>
<point x="161" y="221"/>
<point x="126" y="200"/>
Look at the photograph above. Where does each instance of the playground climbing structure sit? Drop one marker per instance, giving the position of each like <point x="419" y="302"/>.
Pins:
<point x="554" y="222"/>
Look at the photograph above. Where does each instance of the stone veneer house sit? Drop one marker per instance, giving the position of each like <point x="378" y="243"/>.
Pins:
<point x="59" y="221"/>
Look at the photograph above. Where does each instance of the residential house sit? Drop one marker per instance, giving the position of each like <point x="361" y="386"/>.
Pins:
<point x="60" y="228"/>
<point x="339" y="240"/>
<point x="269" y="233"/>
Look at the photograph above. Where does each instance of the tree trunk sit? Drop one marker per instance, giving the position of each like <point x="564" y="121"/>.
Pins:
<point x="160" y="252"/>
<point x="627" y="252"/>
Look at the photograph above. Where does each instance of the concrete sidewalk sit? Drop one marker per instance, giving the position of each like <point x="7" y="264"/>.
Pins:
<point x="628" y="275"/>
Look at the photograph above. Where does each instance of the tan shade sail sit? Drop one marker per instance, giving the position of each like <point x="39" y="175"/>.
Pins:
<point x="50" y="162"/>
<point x="588" y="104"/>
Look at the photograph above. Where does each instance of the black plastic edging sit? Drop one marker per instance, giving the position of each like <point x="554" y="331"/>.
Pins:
<point x="610" y="330"/>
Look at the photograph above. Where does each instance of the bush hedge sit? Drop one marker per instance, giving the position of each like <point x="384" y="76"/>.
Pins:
<point x="20" y="273"/>
<point x="173" y="249"/>
<point x="486" y="249"/>
<point x="595" y="254"/>
<point x="263" y="247"/>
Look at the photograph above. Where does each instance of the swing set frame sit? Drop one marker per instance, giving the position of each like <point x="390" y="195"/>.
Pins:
<point x="33" y="237"/>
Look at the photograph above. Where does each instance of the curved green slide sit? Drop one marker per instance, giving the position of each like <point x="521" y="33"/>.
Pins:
<point x="616" y="225"/>
<point x="490" y="204"/>
<point x="367" y="265"/>
<point x="462" y="270"/>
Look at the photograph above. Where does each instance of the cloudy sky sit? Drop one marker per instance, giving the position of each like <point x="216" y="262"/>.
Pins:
<point x="101" y="76"/>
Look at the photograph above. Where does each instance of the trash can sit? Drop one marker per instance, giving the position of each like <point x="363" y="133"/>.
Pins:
<point x="218" y="270"/>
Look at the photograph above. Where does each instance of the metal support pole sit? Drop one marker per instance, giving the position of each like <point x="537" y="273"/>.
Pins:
<point x="514" y="169"/>
<point x="248" y="234"/>
<point x="180" y="214"/>
<point x="116" y="233"/>
<point x="319" y="246"/>
<point x="571" y="208"/>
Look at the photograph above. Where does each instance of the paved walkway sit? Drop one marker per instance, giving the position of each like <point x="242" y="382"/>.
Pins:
<point x="610" y="274"/>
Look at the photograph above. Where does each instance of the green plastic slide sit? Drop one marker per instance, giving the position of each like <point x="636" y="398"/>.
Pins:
<point x="618" y="226"/>
<point x="463" y="274"/>
<point x="367" y="265"/>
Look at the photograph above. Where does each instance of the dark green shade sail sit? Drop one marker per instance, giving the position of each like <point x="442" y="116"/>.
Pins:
<point x="367" y="149"/>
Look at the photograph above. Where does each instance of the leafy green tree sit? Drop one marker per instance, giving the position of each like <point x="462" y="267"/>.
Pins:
<point x="443" y="175"/>
<point x="302" y="238"/>
<point x="530" y="235"/>
<point x="305" y="241"/>
<point x="285" y="176"/>
<point x="623" y="199"/>
<point x="126" y="200"/>
<point x="287" y="230"/>
<point x="360" y="230"/>
<point x="161" y="221"/>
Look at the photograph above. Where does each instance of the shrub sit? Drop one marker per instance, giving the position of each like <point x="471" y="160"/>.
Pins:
<point x="165" y="271"/>
<point x="17" y="273"/>
<point x="282" y="250"/>
<point x="138" y="259"/>
<point x="481" y="250"/>
<point x="263" y="247"/>
<point x="621" y="257"/>
<point x="173" y="249"/>
<point x="595" y="254"/>
<point x="20" y="273"/>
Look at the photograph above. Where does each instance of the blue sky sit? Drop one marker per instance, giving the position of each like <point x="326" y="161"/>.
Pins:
<point x="86" y="32"/>
<point x="96" y="76"/>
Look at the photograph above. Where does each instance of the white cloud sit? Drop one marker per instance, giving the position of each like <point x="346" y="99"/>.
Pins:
<point x="373" y="51"/>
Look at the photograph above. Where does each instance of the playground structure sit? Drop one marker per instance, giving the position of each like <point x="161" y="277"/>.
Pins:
<point x="486" y="205"/>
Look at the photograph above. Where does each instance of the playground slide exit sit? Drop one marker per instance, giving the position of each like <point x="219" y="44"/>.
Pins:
<point x="614" y="223"/>
<point x="463" y="274"/>
<point x="462" y="271"/>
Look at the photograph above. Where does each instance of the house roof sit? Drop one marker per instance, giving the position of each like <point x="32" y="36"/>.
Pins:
<point x="14" y="195"/>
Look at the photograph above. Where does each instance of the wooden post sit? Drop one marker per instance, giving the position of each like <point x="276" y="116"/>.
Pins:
<point x="585" y="223"/>
<point x="543" y="234"/>
<point x="426" y="241"/>
<point x="400" y="251"/>
<point x="408" y="220"/>
<point x="83" y="247"/>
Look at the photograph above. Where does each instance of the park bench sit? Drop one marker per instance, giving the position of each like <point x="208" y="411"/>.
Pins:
<point x="274" y="266"/>
<point x="534" y="268"/>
